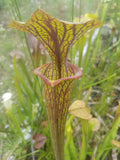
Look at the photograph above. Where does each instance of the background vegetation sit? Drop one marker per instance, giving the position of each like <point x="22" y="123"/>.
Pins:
<point x="97" y="53"/>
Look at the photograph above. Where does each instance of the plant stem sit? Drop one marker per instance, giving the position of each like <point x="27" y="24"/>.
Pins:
<point x="87" y="57"/>
<point x="97" y="42"/>
<point x="72" y="10"/>
<point x="83" y="151"/>
<point x="80" y="10"/>
<point x="57" y="136"/>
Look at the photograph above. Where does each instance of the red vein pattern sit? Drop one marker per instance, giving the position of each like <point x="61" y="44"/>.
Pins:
<point x="57" y="96"/>
<point x="57" y="37"/>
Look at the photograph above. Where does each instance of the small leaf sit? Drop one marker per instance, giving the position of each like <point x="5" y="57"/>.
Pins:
<point x="77" y="104"/>
<point x="94" y="124"/>
<point x="116" y="143"/>
<point x="39" y="140"/>
<point x="79" y="109"/>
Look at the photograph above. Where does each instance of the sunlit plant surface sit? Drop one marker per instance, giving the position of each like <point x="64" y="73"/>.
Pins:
<point x="57" y="37"/>
<point x="27" y="116"/>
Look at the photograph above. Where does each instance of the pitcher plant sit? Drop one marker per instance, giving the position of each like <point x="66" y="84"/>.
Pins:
<point x="57" y="36"/>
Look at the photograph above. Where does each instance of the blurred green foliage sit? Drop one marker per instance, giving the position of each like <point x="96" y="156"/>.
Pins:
<point x="98" y="53"/>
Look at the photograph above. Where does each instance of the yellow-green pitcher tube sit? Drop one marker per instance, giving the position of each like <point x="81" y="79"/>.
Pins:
<point x="57" y="36"/>
<point x="57" y="97"/>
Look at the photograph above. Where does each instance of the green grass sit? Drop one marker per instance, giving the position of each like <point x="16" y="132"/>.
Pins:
<point x="101" y="68"/>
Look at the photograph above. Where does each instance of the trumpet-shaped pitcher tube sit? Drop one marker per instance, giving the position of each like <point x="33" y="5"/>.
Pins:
<point x="58" y="76"/>
<point x="57" y="97"/>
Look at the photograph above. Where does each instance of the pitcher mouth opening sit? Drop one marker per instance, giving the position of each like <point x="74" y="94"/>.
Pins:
<point x="78" y="74"/>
